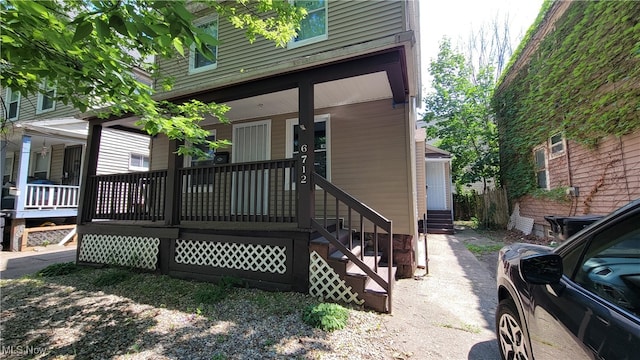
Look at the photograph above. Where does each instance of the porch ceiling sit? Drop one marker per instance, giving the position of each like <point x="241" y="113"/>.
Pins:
<point x="352" y="90"/>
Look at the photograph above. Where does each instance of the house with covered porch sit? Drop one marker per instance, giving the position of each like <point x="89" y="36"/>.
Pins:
<point x="41" y="153"/>
<point x="317" y="192"/>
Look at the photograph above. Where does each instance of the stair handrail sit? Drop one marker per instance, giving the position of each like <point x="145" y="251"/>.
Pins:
<point x="367" y="213"/>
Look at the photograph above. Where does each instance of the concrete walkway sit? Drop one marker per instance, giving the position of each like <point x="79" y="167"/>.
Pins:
<point x="449" y="313"/>
<point x="16" y="264"/>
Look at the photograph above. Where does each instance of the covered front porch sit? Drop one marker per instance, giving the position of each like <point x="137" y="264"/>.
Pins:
<point x="278" y="222"/>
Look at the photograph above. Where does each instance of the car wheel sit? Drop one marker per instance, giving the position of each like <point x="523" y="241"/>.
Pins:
<point x="511" y="337"/>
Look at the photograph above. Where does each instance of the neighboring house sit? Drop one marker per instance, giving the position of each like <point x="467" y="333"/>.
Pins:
<point x="568" y="113"/>
<point x="42" y="149"/>
<point x="323" y="158"/>
<point x="439" y="194"/>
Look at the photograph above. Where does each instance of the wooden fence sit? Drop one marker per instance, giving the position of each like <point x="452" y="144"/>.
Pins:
<point x="491" y="208"/>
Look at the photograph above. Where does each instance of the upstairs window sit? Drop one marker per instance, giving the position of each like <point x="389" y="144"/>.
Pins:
<point x="197" y="61"/>
<point x="13" y="105"/>
<point x="541" y="167"/>
<point x="556" y="144"/>
<point x="46" y="98"/>
<point x="313" y="28"/>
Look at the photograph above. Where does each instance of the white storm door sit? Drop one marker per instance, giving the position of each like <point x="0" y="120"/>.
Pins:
<point x="251" y="142"/>
<point x="436" y="185"/>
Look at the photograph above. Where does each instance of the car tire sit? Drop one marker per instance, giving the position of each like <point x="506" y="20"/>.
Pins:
<point x="512" y="338"/>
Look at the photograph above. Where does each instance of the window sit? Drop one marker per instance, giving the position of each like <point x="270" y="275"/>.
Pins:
<point x="138" y="162"/>
<point x="609" y="267"/>
<point x="46" y="99"/>
<point x="13" y="105"/>
<point x="40" y="164"/>
<point x="313" y="28"/>
<point x="541" y="167"/>
<point x="197" y="61"/>
<point x="8" y="168"/>
<point x="321" y="148"/>
<point x="556" y="144"/>
<point x="210" y="154"/>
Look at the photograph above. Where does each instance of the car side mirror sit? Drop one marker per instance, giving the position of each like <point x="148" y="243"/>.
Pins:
<point x="541" y="269"/>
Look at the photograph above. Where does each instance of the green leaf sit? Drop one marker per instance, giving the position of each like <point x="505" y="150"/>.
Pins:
<point x="116" y="22"/>
<point x="102" y="28"/>
<point x="82" y="31"/>
<point x="178" y="45"/>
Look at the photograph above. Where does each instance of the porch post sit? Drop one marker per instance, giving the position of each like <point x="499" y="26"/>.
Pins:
<point x="23" y="173"/>
<point x="171" y="214"/>
<point x="306" y="154"/>
<point x="89" y="168"/>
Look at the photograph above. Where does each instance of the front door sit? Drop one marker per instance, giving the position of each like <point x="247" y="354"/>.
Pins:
<point x="71" y="166"/>
<point x="251" y="142"/>
<point x="436" y="185"/>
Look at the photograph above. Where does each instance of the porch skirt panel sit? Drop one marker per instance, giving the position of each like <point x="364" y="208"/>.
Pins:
<point x="134" y="251"/>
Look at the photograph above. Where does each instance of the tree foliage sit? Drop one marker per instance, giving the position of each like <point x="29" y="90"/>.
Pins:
<point x="90" y="50"/>
<point x="458" y="114"/>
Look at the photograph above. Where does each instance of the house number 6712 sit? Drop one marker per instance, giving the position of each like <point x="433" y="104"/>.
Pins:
<point x="303" y="158"/>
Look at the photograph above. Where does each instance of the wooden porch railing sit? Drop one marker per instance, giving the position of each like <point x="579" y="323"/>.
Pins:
<point x="132" y="196"/>
<point x="248" y="192"/>
<point x="40" y="196"/>
<point x="245" y="192"/>
<point x="337" y="204"/>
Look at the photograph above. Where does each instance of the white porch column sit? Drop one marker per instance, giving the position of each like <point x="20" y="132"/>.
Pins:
<point x="23" y="172"/>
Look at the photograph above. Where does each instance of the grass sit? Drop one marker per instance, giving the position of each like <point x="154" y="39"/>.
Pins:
<point x="483" y="249"/>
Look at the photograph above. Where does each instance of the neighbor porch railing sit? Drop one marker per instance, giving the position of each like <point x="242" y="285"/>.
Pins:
<point x="42" y="197"/>
<point x="261" y="191"/>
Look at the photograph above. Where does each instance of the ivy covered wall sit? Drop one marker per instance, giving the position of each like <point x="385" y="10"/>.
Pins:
<point x="583" y="80"/>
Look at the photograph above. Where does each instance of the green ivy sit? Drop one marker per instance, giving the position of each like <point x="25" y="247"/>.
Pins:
<point x="557" y="194"/>
<point x="582" y="80"/>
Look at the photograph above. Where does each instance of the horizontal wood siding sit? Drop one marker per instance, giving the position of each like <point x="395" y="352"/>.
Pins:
<point x="115" y="149"/>
<point x="28" y="105"/>
<point x="57" y="161"/>
<point x="159" y="152"/>
<point x="350" y="23"/>
<point x="607" y="178"/>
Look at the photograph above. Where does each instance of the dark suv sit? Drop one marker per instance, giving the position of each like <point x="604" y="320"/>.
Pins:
<point x="580" y="300"/>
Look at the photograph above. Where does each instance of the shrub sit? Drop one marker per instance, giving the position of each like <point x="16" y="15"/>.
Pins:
<point x="326" y="316"/>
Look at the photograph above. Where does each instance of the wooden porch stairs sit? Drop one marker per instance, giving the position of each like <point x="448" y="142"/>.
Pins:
<point x="375" y="297"/>
<point x="440" y="222"/>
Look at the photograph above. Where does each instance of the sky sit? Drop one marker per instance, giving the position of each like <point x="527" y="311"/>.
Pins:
<point x="457" y="18"/>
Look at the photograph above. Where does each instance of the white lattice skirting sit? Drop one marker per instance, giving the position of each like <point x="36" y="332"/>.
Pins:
<point x="326" y="284"/>
<point x="251" y="257"/>
<point x="135" y="251"/>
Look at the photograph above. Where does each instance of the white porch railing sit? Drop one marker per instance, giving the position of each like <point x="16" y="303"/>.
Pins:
<point x="41" y="197"/>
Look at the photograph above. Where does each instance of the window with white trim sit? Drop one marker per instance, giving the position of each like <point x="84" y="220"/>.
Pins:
<point x="197" y="61"/>
<point x="556" y="145"/>
<point x="13" y="104"/>
<point x="46" y="98"/>
<point x="314" y="27"/>
<point x="321" y="139"/>
<point x="540" y="160"/>
<point x="41" y="161"/>
<point x="138" y="162"/>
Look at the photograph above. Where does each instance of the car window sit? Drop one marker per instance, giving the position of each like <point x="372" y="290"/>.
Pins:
<point x="610" y="267"/>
